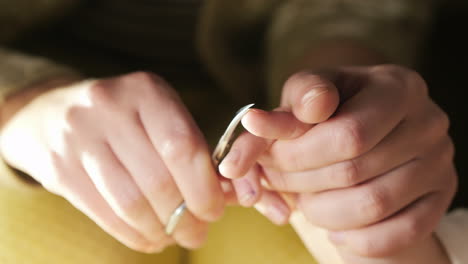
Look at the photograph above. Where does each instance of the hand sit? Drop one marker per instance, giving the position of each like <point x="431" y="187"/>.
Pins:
<point x="124" y="151"/>
<point x="377" y="171"/>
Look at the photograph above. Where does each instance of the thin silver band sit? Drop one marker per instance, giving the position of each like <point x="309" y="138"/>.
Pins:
<point x="174" y="219"/>
<point x="219" y="153"/>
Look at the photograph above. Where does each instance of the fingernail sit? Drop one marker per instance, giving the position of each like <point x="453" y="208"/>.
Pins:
<point x="336" y="237"/>
<point x="278" y="214"/>
<point x="246" y="193"/>
<point x="230" y="160"/>
<point x="258" y="111"/>
<point x="312" y="94"/>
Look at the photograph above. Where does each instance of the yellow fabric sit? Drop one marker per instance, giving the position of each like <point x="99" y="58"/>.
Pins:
<point x="37" y="227"/>
<point x="244" y="236"/>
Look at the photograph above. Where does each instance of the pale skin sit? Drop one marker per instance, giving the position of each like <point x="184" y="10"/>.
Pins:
<point x="105" y="147"/>
<point x="361" y="156"/>
<point x="378" y="174"/>
<point x="384" y="148"/>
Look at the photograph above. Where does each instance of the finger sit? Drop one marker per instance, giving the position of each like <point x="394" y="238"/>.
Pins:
<point x="402" y="230"/>
<point x="273" y="207"/>
<point x="381" y="197"/>
<point x="349" y="134"/>
<point x="230" y="195"/>
<point x="80" y="191"/>
<point x="181" y="146"/>
<point x="133" y="147"/>
<point x="312" y="98"/>
<point x="248" y="189"/>
<point x="274" y="125"/>
<point x="243" y="155"/>
<point x="120" y="191"/>
<point x="404" y="143"/>
<point x="190" y="231"/>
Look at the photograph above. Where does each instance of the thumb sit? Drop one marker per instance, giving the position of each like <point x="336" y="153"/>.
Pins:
<point x="312" y="98"/>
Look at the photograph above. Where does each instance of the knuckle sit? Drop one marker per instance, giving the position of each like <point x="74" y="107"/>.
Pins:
<point x="348" y="173"/>
<point x="74" y="116"/>
<point x="413" y="230"/>
<point x="100" y="94"/>
<point x="441" y="121"/>
<point x="149" y="85"/>
<point x="181" y="145"/>
<point x="388" y="69"/>
<point x="161" y="184"/>
<point x="277" y="180"/>
<point x="416" y="82"/>
<point x="453" y="184"/>
<point x="393" y="75"/>
<point x="375" y="204"/>
<point x="144" y="77"/>
<point x="290" y="160"/>
<point x="450" y="151"/>
<point x="130" y="206"/>
<point x="350" y="139"/>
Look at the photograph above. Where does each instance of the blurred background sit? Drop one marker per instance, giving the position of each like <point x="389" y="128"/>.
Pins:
<point x="444" y="64"/>
<point x="445" y="67"/>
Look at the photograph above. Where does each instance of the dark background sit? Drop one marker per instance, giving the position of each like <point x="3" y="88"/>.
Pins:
<point x="445" y="67"/>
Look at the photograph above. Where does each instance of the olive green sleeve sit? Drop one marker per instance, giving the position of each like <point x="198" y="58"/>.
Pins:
<point x="393" y="28"/>
<point x="20" y="71"/>
<point x="16" y="18"/>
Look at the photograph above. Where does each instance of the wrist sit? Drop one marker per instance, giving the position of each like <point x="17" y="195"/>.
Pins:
<point x="16" y="101"/>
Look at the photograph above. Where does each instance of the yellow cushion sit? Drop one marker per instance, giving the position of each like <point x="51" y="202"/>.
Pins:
<point x="37" y="227"/>
<point x="244" y="236"/>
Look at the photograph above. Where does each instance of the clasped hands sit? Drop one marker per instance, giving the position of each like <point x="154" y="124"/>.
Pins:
<point x="361" y="151"/>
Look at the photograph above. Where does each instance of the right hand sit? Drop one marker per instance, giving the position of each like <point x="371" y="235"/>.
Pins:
<point x="126" y="152"/>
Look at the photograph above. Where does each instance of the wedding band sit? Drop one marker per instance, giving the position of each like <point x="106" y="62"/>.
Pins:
<point x="175" y="218"/>
<point x="219" y="153"/>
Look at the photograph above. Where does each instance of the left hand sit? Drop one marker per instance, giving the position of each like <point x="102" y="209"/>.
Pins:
<point x="376" y="171"/>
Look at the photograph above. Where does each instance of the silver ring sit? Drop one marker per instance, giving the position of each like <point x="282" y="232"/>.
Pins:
<point x="219" y="153"/>
<point x="174" y="219"/>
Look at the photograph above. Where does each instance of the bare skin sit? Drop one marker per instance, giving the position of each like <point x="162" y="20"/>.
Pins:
<point x="375" y="124"/>
<point x="124" y="151"/>
<point x="366" y="157"/>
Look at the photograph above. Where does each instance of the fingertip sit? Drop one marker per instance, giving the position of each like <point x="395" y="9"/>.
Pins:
<point x="248" y="190"/>
<point x="242" y="156"/>
<point x="312" y="97"/>
<point x="228" y="167"/>
<point x="250" y="121"/>
<point x="318" y="104"/>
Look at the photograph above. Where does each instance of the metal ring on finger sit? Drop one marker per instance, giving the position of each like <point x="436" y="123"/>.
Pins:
<point x="221" y="150"/>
